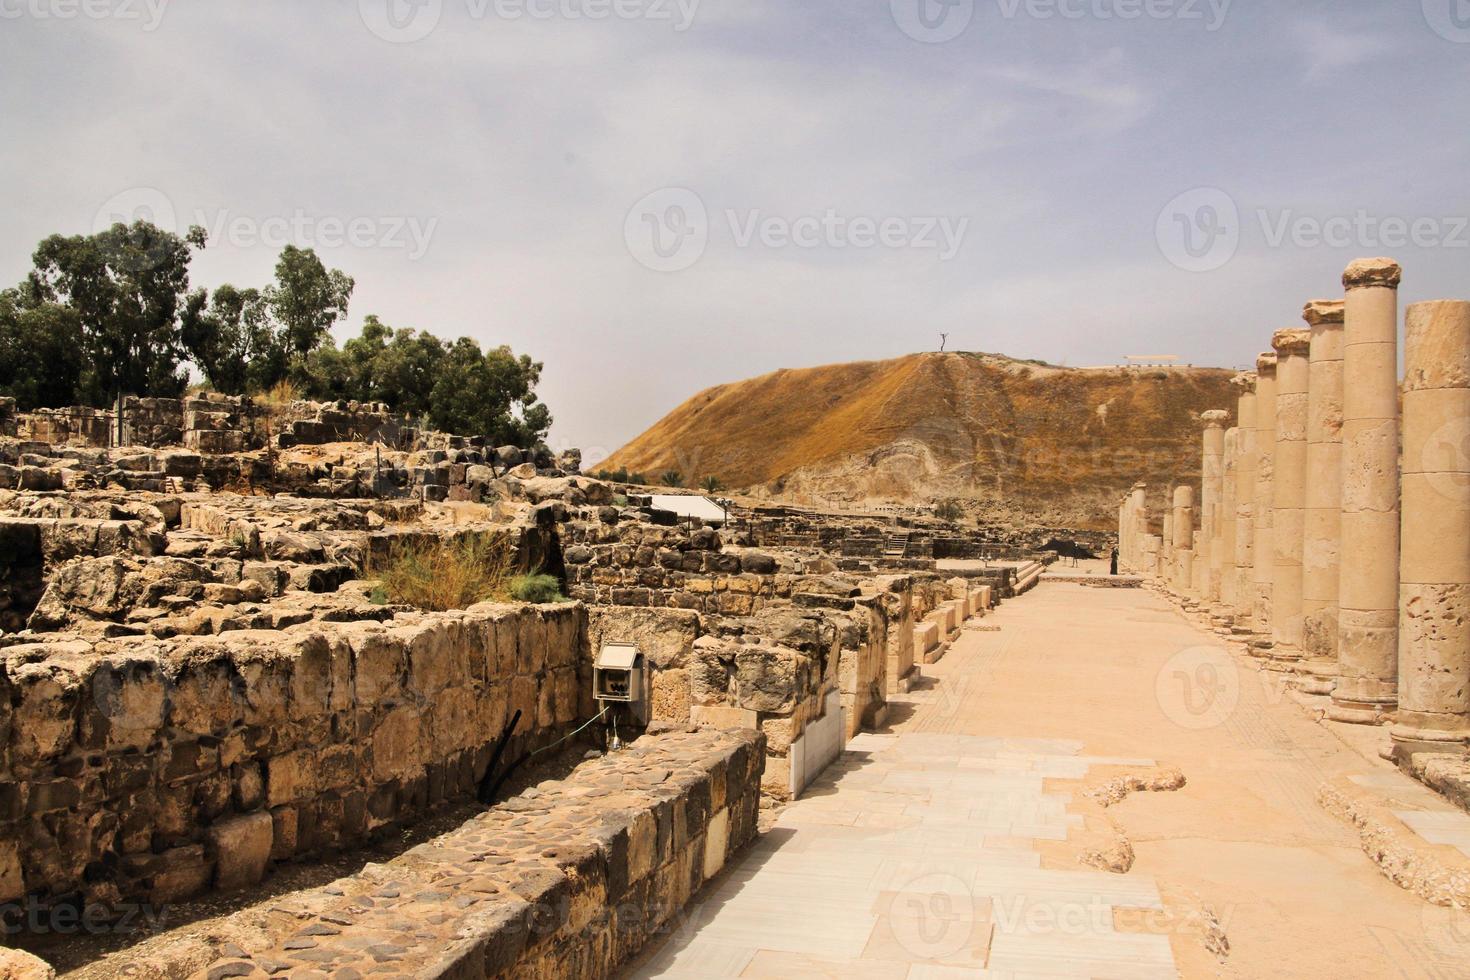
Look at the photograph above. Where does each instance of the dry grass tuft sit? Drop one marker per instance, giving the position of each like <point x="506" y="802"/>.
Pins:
<point x="446" y="575"/>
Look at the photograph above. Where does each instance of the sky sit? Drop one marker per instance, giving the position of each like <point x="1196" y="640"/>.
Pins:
<point x="655" y="196"/>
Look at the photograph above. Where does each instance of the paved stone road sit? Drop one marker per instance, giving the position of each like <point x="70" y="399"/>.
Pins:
<point x="934" y="850"/>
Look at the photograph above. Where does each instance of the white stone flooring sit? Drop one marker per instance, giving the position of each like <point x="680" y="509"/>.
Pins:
<point x="913" y="858"/>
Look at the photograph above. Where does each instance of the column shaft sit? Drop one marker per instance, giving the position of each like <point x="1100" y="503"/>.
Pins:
<point x="1322" y="547"/>
<point x="1434" y="577"/>
<point x="1245" y="500"/>
<point x="1367" y="682"/>
<point x="1288" y="492"/>
<point x="1262" y="568"/>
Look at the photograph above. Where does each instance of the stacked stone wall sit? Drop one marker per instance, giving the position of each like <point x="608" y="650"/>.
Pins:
<point x="151" y="770"/>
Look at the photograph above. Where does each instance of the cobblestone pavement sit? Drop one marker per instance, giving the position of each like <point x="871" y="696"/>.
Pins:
<point x="944" y="847"/>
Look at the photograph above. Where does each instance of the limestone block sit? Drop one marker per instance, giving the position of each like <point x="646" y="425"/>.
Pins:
<point x="716" y="843"/>
<point x="242" y="848"/>
<point x="724" y="716"/>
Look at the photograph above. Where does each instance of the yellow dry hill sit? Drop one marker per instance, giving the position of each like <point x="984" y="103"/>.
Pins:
<point x="1029" y="441"/>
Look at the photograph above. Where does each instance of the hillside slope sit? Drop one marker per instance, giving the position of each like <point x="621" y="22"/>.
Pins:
<point x="1047" y="443"/>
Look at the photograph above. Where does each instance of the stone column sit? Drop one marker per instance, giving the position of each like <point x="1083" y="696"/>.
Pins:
<point x="1183" y="538"/>
<point x="1225" y="526"/>
<point x="1367" y="644"/>
<point x="1212" y="470"/>
<point x="1263" y="553"/>
<point x="1138" y="513"/>
<point x="1245" y="500"/>
<point x="1434" y="573"/>
<point x="1166" y="546"/>
<point x="1321" y="547"/>
<point x="1289" y="492"/>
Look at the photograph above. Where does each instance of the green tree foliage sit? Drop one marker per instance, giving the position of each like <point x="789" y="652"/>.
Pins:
<point x="232" y="339"/>
<point x="712" y="484"/>
<point x="112" y="313"/>
<point x="40" y="352"/>
<point x="672" y="478"/>
<point x="307" y="299"/>
<point x="457" y="387"/>
<point x="117" y="295"/>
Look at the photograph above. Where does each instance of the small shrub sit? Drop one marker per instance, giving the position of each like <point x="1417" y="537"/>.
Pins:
<point x="672" y="478"/>
<point x="445" y="575"/>
<point x="712" y="484"/>
<point x="279" y="395"/>
<point x="379" y="595"/>
<point x="536" y="588"/>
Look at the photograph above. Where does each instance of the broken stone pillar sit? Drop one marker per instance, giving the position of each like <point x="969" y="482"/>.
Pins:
<point x="1224" y="548"/>
<point x="1212" y="474"/>
<point x="1183" y="538"/>
<point x="1245" y="499"/>
<point x="1321" y="552"/>
<point x="1368" y="600"/>
<point x="1289" y="491"/>
<point x="1434" y="570"/>
<point x="1263" y="570"/>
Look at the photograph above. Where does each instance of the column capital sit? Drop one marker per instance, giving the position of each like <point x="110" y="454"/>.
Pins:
<point x="1367" y="273"/>
<point x="1266" y="365"/>
<point x="1325" y="312"/>
<point x="1245" y="381"/>
<point x="1292" y="342"/>
<point x="1215" y="418"/>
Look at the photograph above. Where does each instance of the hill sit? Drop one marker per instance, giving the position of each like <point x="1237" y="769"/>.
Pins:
<point x="1041" y="442"/>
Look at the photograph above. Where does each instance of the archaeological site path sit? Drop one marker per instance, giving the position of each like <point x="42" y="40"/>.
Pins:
<point x="948" y="845"/>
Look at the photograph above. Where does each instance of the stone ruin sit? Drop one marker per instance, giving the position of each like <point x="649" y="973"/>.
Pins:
<point x="200" y="682"/>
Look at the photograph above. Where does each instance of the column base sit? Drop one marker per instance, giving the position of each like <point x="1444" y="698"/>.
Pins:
<point x="1316" y="676"/>
<point x="1354" y="712"/>
<point x="1417" y="733"/>
<point x="1284" y="656"/>
<point x="1259" y="646"/>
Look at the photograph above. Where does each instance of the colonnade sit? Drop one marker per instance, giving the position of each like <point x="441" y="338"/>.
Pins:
<point x="1337" y="558"/>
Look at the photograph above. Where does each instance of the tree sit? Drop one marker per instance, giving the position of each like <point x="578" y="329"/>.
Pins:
<point x="489" y="394"/>
<point x="672" y="478"/>
<point x="307" y="299"/>
<point x="232" y="339"/>
<point x="40" y="352"/>
<point x="125" y="286"/>
<point x="712" y="484"/>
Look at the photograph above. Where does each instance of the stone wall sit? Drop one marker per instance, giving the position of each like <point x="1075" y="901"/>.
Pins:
<point x="572" y="878"/>
<point x="153" y="769"/>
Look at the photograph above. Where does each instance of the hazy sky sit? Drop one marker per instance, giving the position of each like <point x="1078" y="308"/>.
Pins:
<point x="653" y="196"/>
